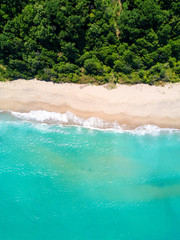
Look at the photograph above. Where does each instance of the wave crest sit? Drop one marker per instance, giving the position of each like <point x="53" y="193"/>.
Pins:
<point x="69" y="118"/>
<point x="66" y="118"/>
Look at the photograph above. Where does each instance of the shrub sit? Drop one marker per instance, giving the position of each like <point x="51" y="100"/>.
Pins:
<point x="93" y="67"/>
<point x="177" y="69"/>
<point x="172" y="62"/>
<point x="118" y="65"/>
<point x="141" y="74"/>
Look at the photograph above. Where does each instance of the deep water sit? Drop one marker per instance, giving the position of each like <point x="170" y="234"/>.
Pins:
<point x="72" y="183"/>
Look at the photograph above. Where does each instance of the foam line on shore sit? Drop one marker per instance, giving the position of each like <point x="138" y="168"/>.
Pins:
<point x="69" y="118"/>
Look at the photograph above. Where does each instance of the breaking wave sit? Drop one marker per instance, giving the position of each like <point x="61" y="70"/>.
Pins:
<point x="69" y="118"/>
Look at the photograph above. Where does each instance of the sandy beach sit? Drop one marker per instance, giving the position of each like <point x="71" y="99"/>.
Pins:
<point x="134" y="105"/>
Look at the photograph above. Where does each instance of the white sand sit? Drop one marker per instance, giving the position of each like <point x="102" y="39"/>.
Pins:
<point x="132" y="105"/>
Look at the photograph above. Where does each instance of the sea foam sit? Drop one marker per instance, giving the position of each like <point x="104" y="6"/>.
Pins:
<point x="69" y="118"/>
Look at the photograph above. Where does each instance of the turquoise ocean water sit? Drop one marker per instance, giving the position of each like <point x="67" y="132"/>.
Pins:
<point x="74" y="183"/>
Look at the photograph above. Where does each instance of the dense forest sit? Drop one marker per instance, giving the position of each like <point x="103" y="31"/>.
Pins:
<point x="96" y="41"/>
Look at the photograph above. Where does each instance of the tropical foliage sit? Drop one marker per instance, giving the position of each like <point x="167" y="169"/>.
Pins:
<point x="99" y="41"/>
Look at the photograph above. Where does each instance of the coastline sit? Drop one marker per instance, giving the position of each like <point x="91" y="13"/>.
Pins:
<point x="134" y="105"/>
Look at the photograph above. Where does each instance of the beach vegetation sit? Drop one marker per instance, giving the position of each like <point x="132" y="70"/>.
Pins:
<point x="93" y="41"/>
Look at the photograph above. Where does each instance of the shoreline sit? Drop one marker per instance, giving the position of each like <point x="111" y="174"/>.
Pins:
<point x="134" y="105"/>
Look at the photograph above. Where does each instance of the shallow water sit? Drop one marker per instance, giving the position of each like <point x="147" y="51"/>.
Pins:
<point x="67" y="182"/>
